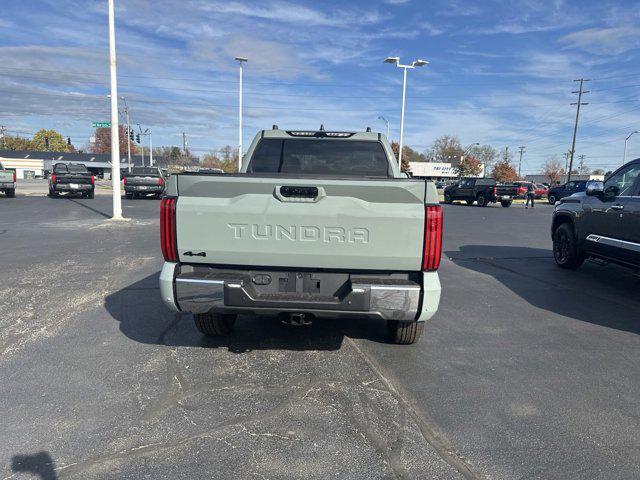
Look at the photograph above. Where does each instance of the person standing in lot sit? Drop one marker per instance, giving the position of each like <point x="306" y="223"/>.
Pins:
<point x="531" y="194"/>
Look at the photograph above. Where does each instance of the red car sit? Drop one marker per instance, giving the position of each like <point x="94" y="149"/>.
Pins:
<point x="539" y="192"/>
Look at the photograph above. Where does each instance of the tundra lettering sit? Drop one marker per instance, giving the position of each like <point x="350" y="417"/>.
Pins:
<point x="302" y="233"/>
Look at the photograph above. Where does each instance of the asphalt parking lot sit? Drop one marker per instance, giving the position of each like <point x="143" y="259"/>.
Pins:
<point x="527" y="371"/>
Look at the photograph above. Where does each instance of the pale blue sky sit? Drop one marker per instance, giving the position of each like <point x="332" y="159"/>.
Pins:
<point x="500" y="72"/>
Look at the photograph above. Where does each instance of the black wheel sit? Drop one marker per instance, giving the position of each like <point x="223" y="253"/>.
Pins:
<point x="404" y="333"/>
<point x="469" y="202"/>
<point x="565" y="248"/>
<point x="482" y="200"/>
<point x="215" y="324"/>
<point x="552" y="199"/>
<point x="506" y="203"/>
<point x="53" y="194"/>
<point x="447" y="199"/>
<point x="91" y="194"/>
<point x="11" y="192"/>
<point x="128" y="196"/>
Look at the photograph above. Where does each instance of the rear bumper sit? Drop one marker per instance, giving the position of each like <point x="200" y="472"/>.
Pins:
<point x="7" y="185"/>
<point x="236" y="292"/>
<point x="66" y="187"/>
<point x="143" y="189"/>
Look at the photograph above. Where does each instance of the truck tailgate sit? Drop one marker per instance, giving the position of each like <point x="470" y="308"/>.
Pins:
<point x="300" y="223"/>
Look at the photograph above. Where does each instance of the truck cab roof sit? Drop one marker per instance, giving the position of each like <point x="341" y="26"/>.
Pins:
<point x="315" y="134"/>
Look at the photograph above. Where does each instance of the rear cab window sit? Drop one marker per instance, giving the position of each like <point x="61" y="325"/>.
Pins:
<point x="360" y="158"/>
<point x="144" y="171"/>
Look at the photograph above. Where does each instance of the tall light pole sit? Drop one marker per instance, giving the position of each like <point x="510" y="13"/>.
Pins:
<point x="240" y="60"/>
<point x="150" y="149"/>
<point x="626" y="140"/>
<point x="115" y="131"/>
<point x="414" y="64"/>
<point x="387" y="122"/>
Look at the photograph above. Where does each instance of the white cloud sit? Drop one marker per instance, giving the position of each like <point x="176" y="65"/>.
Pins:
<point x="604" y="41"/>
<point x="293" y="13"/>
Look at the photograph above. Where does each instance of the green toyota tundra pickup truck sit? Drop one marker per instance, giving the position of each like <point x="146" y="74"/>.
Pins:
<point x="316" y="224"/>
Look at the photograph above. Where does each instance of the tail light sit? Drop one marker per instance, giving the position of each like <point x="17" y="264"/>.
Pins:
<point x="15" y="177"/>
<point x="160" y="182"/>
<point x="124" y="180"/>
<point x="495" y="191"/>
<point x="53" y="178"/>
<point x="168" y="229"/>
<point x="93" y="179"/>
<point x="432" y="238"/>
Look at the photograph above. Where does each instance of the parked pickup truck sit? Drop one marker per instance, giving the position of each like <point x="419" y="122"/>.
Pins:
<point x="143" y="181"/>
<point x="601" y="223"/>
<point x="318" y="224"/>
<point x="561" y="191"/>
<point x="7" y="182"/>
<point x="482" y="191"/>
<point x="71" y="178"/>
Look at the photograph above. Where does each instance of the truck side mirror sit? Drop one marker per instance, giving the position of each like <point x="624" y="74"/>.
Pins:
<point x="595" y="189"/>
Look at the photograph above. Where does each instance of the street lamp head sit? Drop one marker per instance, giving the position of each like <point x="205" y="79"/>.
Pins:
<point x="392" y="60"/>
<point x="242" y="59"/>
<point x="420" y="63"/>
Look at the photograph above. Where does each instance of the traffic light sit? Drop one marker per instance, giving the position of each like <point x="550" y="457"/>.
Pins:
<point x="131" y="135"/>
<point x="137" y="137"/>
<point x="69" y="141"/>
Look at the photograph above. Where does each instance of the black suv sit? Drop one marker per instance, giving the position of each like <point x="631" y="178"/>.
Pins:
<point x="560" y="191"/>
<point x="601" y="223"/>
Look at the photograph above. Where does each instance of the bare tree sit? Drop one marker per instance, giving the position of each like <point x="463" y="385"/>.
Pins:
<point x="485" y="154"/>
<point x="553" y="170"/>
<point x="446" y="148"/>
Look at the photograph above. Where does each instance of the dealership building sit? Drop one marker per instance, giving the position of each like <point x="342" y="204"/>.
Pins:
<point x="436" y="170"/>
<point x="39" y="164"/>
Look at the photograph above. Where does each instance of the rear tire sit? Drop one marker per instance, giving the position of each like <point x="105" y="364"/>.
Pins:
<point x="10" y="192"/>
<point x="53" y="194"/>
<point x="482" y="200"/>
<point x="128" y="196"/>
<point x="404" y="333"/>
<point x="565" y="248"/>
<point x="91" y="194"/>
<point x="552" y="199"/>
<point x="447" y="199"/>
<point x="214" y="324"/>
<point x="470" y="202"/>
<point x="506" y="203"/>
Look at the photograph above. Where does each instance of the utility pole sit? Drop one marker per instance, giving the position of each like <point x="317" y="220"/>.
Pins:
<point x="115" y="143"/>
<point x="578" y="104"/>
<point x="126" y="112"/>
<point x="184" y="145"/>
<point x="506" y="154"/>
<point x="520" y="161"/>
<point x="581" y="164"/>
<point x="2" y="130"/>
<point x="566" y="163"/>
<point x="150" y="150"/>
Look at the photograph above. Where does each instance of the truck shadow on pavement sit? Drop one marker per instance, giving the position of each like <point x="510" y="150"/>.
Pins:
<point x="40" y="465"/>
<point x="144" y="318"/>
<point x="606" y="296"/>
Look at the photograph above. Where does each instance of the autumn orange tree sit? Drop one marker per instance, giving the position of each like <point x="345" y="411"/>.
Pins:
<point x="395" y="146"/>
<point x="503" y="171"/>
<point x="469" y="167"/>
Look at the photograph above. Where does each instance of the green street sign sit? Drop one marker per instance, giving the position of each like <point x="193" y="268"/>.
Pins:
<point x="101" y="124"/>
